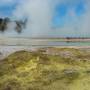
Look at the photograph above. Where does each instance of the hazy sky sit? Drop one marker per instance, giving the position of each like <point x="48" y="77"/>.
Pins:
<point x="49" y="17"/>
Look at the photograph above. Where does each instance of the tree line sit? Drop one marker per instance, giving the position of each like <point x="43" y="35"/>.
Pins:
<point x="19" y="24"/>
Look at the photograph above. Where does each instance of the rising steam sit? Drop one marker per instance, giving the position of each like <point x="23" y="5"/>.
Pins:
<point x="40" y="13"/>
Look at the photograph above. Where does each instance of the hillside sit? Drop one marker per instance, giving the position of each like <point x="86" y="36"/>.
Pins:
<point x="46" y="69"/>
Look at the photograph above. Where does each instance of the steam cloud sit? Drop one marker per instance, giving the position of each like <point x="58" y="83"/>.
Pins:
<point x="40" y="14"/>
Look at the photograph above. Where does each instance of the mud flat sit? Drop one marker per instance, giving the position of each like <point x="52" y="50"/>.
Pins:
<point x="7" y="50"/>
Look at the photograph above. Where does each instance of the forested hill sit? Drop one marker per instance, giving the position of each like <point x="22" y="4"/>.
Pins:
<point x="19" y="24"/>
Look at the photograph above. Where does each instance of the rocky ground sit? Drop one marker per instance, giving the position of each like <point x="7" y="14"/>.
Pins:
<point x="46" y="69"/>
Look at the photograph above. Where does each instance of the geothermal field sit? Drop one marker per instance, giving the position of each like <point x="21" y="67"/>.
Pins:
<point x="44" y="44"/>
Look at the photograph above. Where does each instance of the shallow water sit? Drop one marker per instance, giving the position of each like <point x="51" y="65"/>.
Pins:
<point x="40" y="42"/>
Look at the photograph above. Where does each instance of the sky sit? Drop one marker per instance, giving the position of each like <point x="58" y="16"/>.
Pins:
<point x="49" y="18"/>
